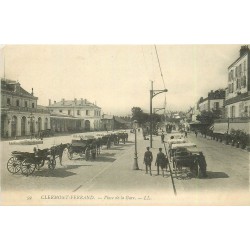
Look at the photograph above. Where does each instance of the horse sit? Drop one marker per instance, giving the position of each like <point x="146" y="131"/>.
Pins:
<point x="57" y="151"/>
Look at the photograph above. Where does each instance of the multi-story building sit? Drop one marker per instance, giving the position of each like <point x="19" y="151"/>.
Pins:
<point x="214" y="101"/>
<point x="74" y="115"/>
<point x="20" y="114"/>
<point x="237" y="102"/>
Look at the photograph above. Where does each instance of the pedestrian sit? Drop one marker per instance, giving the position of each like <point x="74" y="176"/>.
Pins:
<point x="162" y="137"/>
<point x="196" y="133"/>
<point x="160" y="162"/>
<point x="148" y="158"/>
<point x="186" y="134"/>
<point x="202" y="165"/>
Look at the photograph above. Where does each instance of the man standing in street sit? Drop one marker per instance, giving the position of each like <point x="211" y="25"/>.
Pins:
<point x="162" y="137"/>
<point x="148" y="158"/>
<point x="195" y="133"/>
<point x="160" y="162"/>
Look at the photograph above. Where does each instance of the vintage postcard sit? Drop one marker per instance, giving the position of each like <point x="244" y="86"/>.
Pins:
<point x="125" y="125"/>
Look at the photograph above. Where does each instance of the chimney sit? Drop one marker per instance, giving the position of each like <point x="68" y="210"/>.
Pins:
<point x="81" y="101"/>
<point x="49" y="102"/>
<point x="54" y="102"/>
<point x="32" y="93"/>
<point x="75" y="100"/>
<point x="243" y="50"/>
<point x="63" y="101"/>
<point x="17" y="87"/>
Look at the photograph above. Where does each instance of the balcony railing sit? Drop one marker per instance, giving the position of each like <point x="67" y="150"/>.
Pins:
<point x="23" y="109"/>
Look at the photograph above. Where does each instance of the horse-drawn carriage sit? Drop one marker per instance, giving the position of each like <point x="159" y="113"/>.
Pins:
<point x="84" y="146"/>
<point x="173" y="144"/>
<point x="27" y="162"/>
<point x="186" y="156"/>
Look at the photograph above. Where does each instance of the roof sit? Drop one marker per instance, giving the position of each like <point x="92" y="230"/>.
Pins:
<point x="107" y="117"/>
<point x="15" y="88"/>
<point x="42" y="107"/>
<point x="246" y="53"/>
<point x="73" y="103"/>
<point x="120" y="120"/>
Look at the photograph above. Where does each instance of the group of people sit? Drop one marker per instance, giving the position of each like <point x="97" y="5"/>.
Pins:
<point x="161" y="161"/>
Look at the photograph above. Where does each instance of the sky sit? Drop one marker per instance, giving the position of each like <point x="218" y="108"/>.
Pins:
<point x="118" y="77"/>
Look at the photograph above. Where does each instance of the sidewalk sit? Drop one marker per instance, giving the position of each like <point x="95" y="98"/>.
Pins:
<point x="120" y="176"/>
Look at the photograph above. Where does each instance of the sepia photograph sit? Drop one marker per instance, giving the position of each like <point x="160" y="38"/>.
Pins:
<point x="125" y="124"/>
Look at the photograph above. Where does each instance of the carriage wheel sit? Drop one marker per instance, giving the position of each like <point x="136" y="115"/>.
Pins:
<point x="52" y="164"/>
<point x="13" y="165"/>
<point x="87" y="154"/>
<point x="27" y="168"/>
<point x="70" y="155"/>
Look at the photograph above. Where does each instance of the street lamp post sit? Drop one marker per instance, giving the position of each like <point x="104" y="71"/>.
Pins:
<point x="153" y="93"/>
<point x="135" y="166"/>
<point x="31" y="117"/>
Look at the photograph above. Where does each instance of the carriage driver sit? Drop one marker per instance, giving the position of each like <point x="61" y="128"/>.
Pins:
<point x="148" y="158"/>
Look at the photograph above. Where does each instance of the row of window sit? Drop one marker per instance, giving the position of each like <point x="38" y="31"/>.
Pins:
<point x="240" y="83"/>
<point x="87" y="112"/>
<point x="237" y="72"/>
<point x="245" y="112"/>
<point x="18" y="103"/>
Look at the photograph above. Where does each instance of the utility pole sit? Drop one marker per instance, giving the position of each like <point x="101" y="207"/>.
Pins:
<point x="151" y="98"/>
<point x="153" y="93"/>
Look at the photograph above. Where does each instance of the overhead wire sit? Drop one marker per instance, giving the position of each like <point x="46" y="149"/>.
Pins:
<point x="160" y="66"/>
<point x="158" y="59"/>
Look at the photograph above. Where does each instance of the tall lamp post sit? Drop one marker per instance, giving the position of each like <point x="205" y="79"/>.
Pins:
<point x="153" y="93"/>
<point x="135" y="165"/>
<point x="31" y="117"/>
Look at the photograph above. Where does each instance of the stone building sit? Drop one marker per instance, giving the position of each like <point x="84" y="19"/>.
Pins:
<point x="237" y="102"/>
<point x="214" y="101"/>
<point x="74" y="116"/>
<point x="20" y="114"/>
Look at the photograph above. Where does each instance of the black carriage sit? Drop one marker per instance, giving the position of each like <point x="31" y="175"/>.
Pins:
<point x="172" y="145"/>
<point x="189" y="158"/>
<point x="84" y="146"/>
<point x="27" y="162"/>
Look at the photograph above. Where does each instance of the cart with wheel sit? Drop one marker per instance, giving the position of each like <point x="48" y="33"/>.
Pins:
<point x="187" y="158"/>
<point x="85" y="147"/>
<point x="27" y="162"/>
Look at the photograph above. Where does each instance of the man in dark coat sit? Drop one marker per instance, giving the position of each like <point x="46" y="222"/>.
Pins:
<point x="202" y="165"/>
<point x="148" y="158"/>
<point x="162" y="137"/>
<point x="160" y="162"/>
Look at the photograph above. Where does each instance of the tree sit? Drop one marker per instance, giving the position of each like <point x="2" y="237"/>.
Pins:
<point x="142" y="118"/>
<point x="208" y="117"/>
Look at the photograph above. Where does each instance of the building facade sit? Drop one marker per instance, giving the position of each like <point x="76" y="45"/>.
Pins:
<point x="237" y="102"/>
<point x="20" y="114"/>
<point x="74" y="115"/>
<point x="214" y="101"/>
<point x="107" y="122"/>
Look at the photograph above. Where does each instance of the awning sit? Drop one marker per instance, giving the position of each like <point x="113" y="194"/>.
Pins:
<point x="220" y="128"/>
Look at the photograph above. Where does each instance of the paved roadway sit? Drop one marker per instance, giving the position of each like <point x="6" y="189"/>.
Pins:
<point x="111" y="173"/>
